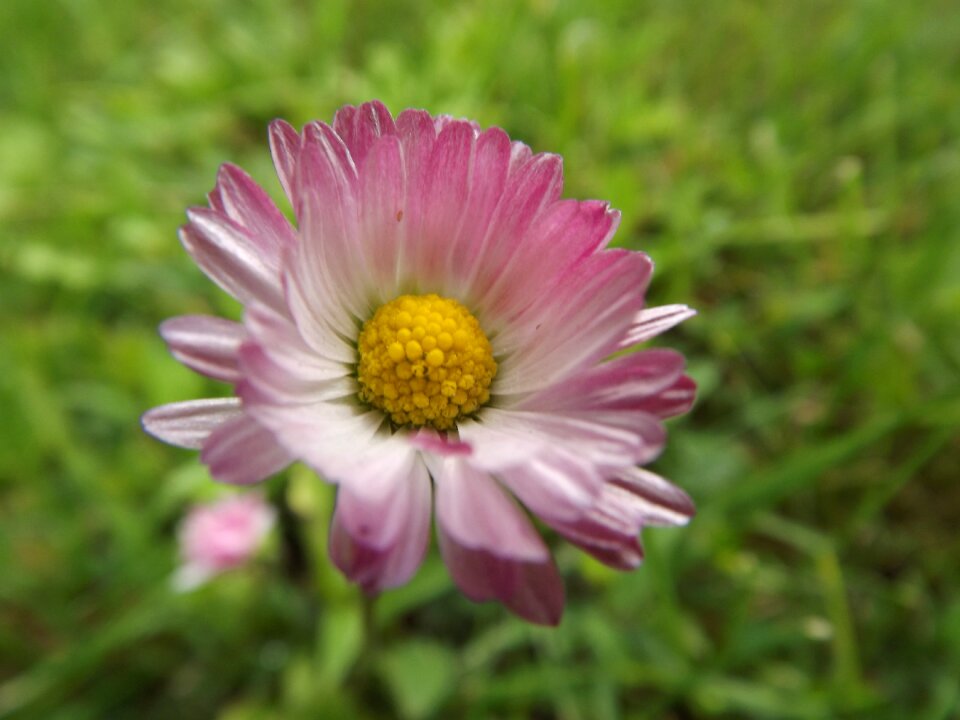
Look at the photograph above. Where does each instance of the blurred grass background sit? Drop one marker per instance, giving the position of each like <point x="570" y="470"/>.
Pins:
<point x="793" y="168"/>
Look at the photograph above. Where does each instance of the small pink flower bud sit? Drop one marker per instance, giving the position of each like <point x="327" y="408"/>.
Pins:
<point x="219" y="536"/>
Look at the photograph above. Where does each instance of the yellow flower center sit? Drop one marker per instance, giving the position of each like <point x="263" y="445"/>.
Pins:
<point x="425" y="360"/>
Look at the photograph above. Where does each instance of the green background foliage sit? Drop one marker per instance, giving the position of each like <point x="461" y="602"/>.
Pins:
<point x="792" y="167"/>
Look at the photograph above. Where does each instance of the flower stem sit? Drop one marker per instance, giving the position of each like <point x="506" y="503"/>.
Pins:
<point x="362" y="675"/>
<point x="369" y="631"/>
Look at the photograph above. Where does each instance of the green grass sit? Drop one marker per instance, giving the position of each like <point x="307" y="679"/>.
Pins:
<point x="793" y="168"/>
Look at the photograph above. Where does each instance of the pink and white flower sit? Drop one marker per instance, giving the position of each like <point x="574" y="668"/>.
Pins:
<point x="220" y="536"/>
<point x="441" y="328"/>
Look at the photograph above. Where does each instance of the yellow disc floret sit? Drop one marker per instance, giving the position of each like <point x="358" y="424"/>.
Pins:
<point x="425" y="360"/>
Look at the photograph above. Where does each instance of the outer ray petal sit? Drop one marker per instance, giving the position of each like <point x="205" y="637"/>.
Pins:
<point x="231" y="258"/>
<point x="188" y="424"/>
<point x="532" y="186"/>
<point x="417" y="134"/>
<point x="328" y="436"/>
<point x="562" y="235"/>
<point x="268" y="378"/>
<point x="207" y="345"/>
<point x="561" y="485"/>
<point x="627" y="383"/>
<point x="650" y="322"/>
<point x="653" y="500"/>
<point x="281" y="338"/>
<point x="491" y="549"/>
<point x="383" y="215"/>
<point x="378" y="539"/>
<point x="674" y="400"/>
<point x="443" y="196"/>
<point x="485" y="183"/>
<point x="576" y="324"/>
<point x="361" y="127"/>
<point x="633" y="499"/>
<point x="285" y="145"/>
<point x="241" y="452"/>
<point x="280" y="368"/>
<point x="606" y="439"/>
<point x="244" y="202"/>
<point x="329" y="249"/>
<point x="322" y="324"/>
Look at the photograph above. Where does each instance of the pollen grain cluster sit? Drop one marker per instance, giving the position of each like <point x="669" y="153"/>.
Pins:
<point x="425" y="360"/>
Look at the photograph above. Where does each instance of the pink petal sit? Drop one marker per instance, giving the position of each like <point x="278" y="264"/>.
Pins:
<point x="444" y="193"/>
<point x="281" y="366"/>
<point x="626" y="383"/>
<point x="539" y="595"/>
<point x="491" y="548"/>
<point x="476" y="513"/>
<point x="207" y="345"/>
<point x="417" y="133"/>
<point x="557" y="463"/>
<point x="242" y="452"/>
<point x="285" y="146"/>
<point x="325" y="281"/>
<point x="278" y="333"/>
<point x="417" y="137"/>
<point x="653" y="500"/>
<point x="486" y="181"/>
<point x="576" y="324"/>
<point x="604" y="533"/>
<point x="321" y="320"/>
<point x="360" y="127"/>
<point x="441" y="121"/>
<point x="530" y="189"/>
<point x="231" y="258"/>
<point x="564" y="234"/>
<point x="187" y="424"/>
<point x="531" y="590"/>
<point x="328" y="255"/>
<point x="633" y="499"/>
<point x="379" y="540"/>
<point x="532" y="185"/>
<point x="440" y="444"/>
<point x="650" y="322"/>
<point x="237" y="196"/>
<point x="556" y="448"/>
<point x="561" y="485"/>
<point x="383" y="216"/>
<point x="674" y="400"/>
<point x="520" y="155"/>
<point x="331" y="437"/>
<point x="271" y="376"/>
<point x="507" y="438"/>
<point x="325" y="161"/>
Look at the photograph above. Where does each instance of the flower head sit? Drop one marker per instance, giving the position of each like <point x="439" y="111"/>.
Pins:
<point x="441" y="329"/>
<point x="220" y="536"/>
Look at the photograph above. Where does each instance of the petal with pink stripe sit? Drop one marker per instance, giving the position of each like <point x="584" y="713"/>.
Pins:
<point x="242" y="452"/>
<point x="244" y="202"/>
<point x="205" y="344"/>
<point x="229" y="256"/>
<point x="490" y="547"/>
<point x="188" y="424"/>
<point x="381" y="525"/>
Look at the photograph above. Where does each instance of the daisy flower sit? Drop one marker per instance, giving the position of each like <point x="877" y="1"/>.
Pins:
<point x="220" y="536"/>
<point x="441" y="330"/>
